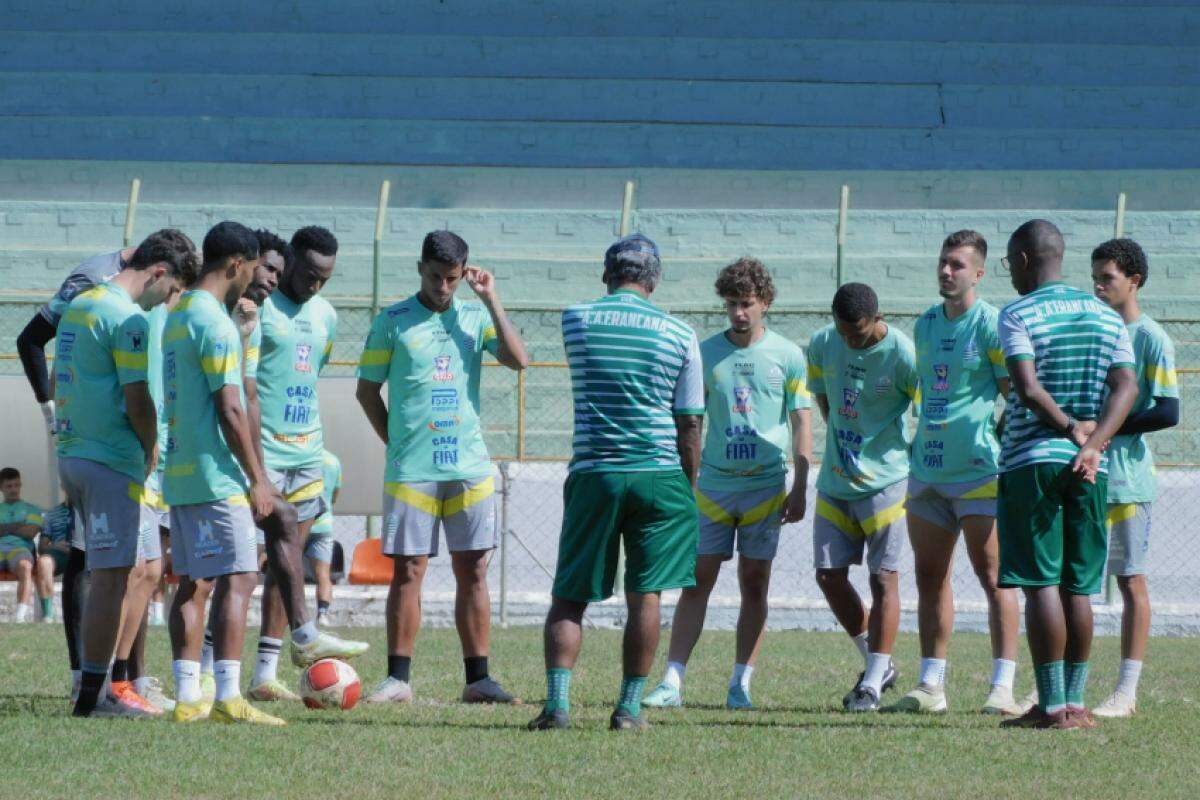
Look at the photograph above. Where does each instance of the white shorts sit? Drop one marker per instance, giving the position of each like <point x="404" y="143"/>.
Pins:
<point x="843" y="529"/>
<point x="414" y="512"/>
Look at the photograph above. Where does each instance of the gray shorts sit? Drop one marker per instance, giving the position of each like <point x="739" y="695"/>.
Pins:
<point x="213" y="539"/>
<point x="14" y="550"/>
<point x="842" y="529"/>
<point x="753" y="517"/>
<point x="303" y="488"/>
<point x="118" y="529"/>
<point x="413" y="513"/>
<point x="1128" y="538"/>
<point x="945" y="504"/>
<point x="319" y="548"/>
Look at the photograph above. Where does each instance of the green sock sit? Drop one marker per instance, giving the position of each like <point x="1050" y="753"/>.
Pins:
<point x="631" y="694"/>
<point x="1077" y="675"/>
<point x="47" y="606"/>
<point x="558" y="689"/>
<point x="1051" y="684"/>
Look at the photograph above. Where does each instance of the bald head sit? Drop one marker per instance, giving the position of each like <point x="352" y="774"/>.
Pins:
<point x="1041" y="241"/>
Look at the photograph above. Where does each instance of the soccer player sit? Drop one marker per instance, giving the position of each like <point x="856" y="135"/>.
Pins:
<point x="868" y="369"/>
<point x="953" y="481"/>
<point x="429" y="351"/>
<point x="755" y="386"/>
<point x="108" y="445"/>
<point x="318" y="548"/>
<point x="290" y="345"/>
<point x="1071" y="369"/>
<point x="54" y="551"/>
<point x="638" y="385"/>
<point x="32" y="341"/>
<point x="1119" y="271"/>
<point x="20" y="523"/>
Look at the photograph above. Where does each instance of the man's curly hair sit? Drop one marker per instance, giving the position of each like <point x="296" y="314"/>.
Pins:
<point x="746" y="277"/>
<point x="1129" y="257"/>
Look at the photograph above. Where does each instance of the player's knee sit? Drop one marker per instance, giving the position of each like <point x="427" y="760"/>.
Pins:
<point x="24" y="568"/>
<point x="832" y="579"/>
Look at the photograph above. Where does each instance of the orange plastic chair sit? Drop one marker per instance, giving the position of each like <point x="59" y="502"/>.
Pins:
<point x="7" y="576"/>
<point x="369" y="566"/>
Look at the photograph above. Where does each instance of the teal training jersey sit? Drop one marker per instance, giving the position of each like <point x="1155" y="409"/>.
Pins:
<point x="202" y="352"/>
<point x="20" y="513"/>
<point x="633" y="368"/>
<point x="866" y="439"/>
<point x="293" y="343"/>
<point x="1131" y="476"/>
<point x="331" y="474"/>
<point x="1073" y="340"/>
<point x="431" y="364"/>
<point x="102" y="345"/>
<point x="749" y="392"/>
<point x="959" y="363"/>
<point x="156" y="318"/>
<point x="58" y="524"/>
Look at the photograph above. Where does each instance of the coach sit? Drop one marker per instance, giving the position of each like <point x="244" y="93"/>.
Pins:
<point x="637" y="381"/>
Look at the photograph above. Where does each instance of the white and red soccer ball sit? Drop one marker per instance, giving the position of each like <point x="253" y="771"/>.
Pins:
<point x="330" y="683"/>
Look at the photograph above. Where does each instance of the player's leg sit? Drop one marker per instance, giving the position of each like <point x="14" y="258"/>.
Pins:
<point x="983" y="550"/>
<point x="45" y="585"/>
<point x="318" y="552"/>
<point x="562" y="639"/>
<point x="1085" y="550"/>
<point x="157" y="612"/>
<point x="838" y="542"/>
<point x="686" y="627"/>
<point x="754" y="581"/>
<point x="1129" y="542"/>
<point x="21" y="563"/>
<point x="75" y="584"/>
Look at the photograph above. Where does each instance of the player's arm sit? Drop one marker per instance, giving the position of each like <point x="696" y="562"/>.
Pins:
<point x="510" y="350"/>
<point x="235" y="425"/>
<point x="1163" y="386"/>
<point x="823" y="404"/>
<point x="797" y="502"/>
<point x="370" y="396"/>
<point x="245" y="316"/>
<point x="689" y="410"/>
<point x="132" y="362"/>
<point x="1004" y="384"/>
<point x="1163" y="414"/>
<point x="31" y="347"/>
<point x="1034" y="396"/>
<point x="687" y="441"/>
<point x="1122" y="393"/>
<point x="373" y="368"/>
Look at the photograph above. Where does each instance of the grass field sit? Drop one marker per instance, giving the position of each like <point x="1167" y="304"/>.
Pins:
<point x="797" y="744"/>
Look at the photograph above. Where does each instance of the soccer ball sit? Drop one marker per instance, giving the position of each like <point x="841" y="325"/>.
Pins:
<point x="330" y="683"/>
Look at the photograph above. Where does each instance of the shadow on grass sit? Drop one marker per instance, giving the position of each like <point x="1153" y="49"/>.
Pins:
<point x="44" y="705"/>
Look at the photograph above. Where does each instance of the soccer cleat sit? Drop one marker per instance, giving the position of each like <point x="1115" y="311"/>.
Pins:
<point x="24" y="613"/>
<point x="622" y="720"/>
<point x="556" y="720"/>
<point x="236" y="711"/>
<point x="1118" y="704"/>
<point x="322" y="619"/>
<point x="76" y="684"/>
<point x="272" y="690"/>
<point x="190" y="712"/>
<point x="123" y="693"/>
<point x="391" y="690"/>
<point x="924" y="699"/>
<point x="326" y="645"/>
<point x="1000" y="702"/>
<point x="1037" y="719"/>
<point x="1082" y="716"/>
<point x="154" y="694"/>
<point x="1029" y="701"/>
<point x="49" y="618"/>
<point x="487" y="690"/>
<point x="889" y="680"/>
<point x="863" y="698"/>
<point x="736" y="699"/>
<point x="119" y="707"/>
<point x="663" y="696"/>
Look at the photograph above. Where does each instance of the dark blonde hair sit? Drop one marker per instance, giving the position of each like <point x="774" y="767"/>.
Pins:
<point x="746" y="277"/>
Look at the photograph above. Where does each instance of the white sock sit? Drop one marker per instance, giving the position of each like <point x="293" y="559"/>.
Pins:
<point x="741" y="676"/>
<point x="877" y="666"/>
<point x="1004" y="673"/>
<point x="305" y="633"/>
<point x="268" y="660"/>
<point x="860" y="642"/>
<point x="933" y="671"/>
<point x="674" y="675"/>
<point x="206" y="653"/>
<point x="229" y="676"/>
<point x="156" y="610"/>
<point x="1127" y="679"/>
<point x="187" y="680"/>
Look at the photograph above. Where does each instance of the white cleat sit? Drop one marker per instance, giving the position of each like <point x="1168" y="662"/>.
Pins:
<point x="390" y="690"/>
<point x="1028" y="702"/>
<point x="1118" y="704"/>
<point x="1000" y="702"/>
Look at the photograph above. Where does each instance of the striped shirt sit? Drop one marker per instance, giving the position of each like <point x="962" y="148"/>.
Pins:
<point x="634" y="367"/>
<point x="1073" y="340"/>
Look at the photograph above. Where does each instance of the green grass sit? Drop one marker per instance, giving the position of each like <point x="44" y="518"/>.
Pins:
<point x="797" y="744"/>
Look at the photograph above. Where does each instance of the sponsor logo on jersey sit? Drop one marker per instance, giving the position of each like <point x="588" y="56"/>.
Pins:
<point x="883" y="385"/>
<point x="933" y="460"/>
<point x="137" y="340"/>
<point x="947" y="345"/>
<point x="970" y="352"/>
<point x="65" y="376"/>
<point x="439" y="425"/>
<point x="941" y="374"/>
<point x="741" y="400"/>
<point x="849" y="400"/>
<point x="444" y="400"/>
<point x="303" y="354"/>
<point x="441" y="369"/>
<point x="395" y="312"/>
<point x="744" y="368"/>
<point x="937" y="407"/>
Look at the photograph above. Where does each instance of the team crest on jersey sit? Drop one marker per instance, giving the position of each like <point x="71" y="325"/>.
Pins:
<point x="303" y="354"/>
<point x="741" y="399"/>
<point x="970" y="351"/>
<point x="883" y="385"/>
<point x="137" y="340"/>
<point x="941" y="374"/>
<point x="775" y="377"/>
<point x="849" y="401"/>
<point x="441" y="369"/>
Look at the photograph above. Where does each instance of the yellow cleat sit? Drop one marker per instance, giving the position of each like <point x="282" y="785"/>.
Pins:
<point x="238" y="711"/>
<point x="270" y="691"/>
<point x="190" y="712"/>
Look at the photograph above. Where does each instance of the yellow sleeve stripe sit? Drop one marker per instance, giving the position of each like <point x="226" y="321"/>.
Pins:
<point x="796" y="386"/>
<point x="1161" y="376"/>
<point x="375" y="358"/>
<point x="328" y="348"/>
<point x="252" y="354"/>
<point x="34" y="519"/>
<point x="815" y="372"/>
<point x="219" y="365"/>
<point x="126" y="360"/>
<point x="996" y="357"/>
<point x="489" y="333"/>
<point x="79" y="317"/>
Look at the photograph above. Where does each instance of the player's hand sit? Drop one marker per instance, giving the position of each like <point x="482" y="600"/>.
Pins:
<point x="796" y="505"/>
<point x="482" y="282"/>
<point x="245" y="316"/>
<point x="1087" y="463"/>
<point x="262" y="500"/>
<point x="152" y="460"/>
<point x="1082" y="430"/>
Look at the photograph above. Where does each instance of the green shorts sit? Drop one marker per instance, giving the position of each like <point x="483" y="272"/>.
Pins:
<point x="1053" y="528"/>
<point x="653" y="512"/>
